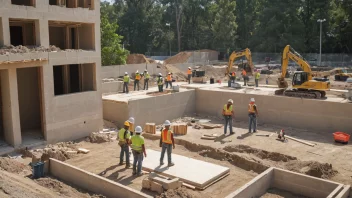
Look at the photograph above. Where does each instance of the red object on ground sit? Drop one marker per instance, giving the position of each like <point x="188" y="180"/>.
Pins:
<point x="341" y="137"/>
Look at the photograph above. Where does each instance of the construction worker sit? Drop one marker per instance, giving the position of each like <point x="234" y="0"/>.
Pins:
<point x="229" y="115"/>
<point x="126" y="81"/>
<point x="167" y="143"/>
<point x="244" y="75"/>
<point x="160" y="82"/>
<point x="169" y="80"/>
<point x="138" y="149"/>
<point x="136" y="80"/>
<point x="252" y="114"/>
<point x="146" y="80"/>
<point x="131" y="122"/>
<point x="233" y="77"/>
<point x="189" y="74"/>
<point x="257" y="76"/>
<point x="124" y="140"/>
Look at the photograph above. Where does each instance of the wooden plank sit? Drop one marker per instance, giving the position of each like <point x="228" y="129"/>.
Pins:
<point x="300" y="141"/>
<point x="82" y="150"/>
<point x="208" y="138"/>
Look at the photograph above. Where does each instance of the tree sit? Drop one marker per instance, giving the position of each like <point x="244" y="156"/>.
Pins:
<point x="111" y="51"/>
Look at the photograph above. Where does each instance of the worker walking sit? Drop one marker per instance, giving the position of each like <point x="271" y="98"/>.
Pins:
<point x="124" y="140"/>
<point x="138" y="149"/>
<point x="229" y="115"/>
<point x="160" y="82"/>
<point x="146" y="80"/>
<point x="244" y="75"/>
<point x="131" y="127"/>
<point x="167" y="143"/>
<point x="189" y="74"/>
<point x="136" y="80"/>
<point x="126" y="81"/>
<point x="169" y="80"/>
<point x="252" y="114"/>
<point x="257" y="76"/>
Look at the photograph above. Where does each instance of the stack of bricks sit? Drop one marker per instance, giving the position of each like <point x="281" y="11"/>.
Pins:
<point x="150" y="128"/>
<point x="179" y="129"/>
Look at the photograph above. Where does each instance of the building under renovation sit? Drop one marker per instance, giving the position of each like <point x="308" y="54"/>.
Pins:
<point x="49" y="69"/>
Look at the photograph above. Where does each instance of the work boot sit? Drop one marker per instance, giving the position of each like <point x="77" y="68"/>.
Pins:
<point x="128" y="166"/>
<point x="121" y="163"/>
<point x="171" y="164"/>
<point x="139" y="174"/>
<point x="134" y="173"/>
<point x="161" y="163"/>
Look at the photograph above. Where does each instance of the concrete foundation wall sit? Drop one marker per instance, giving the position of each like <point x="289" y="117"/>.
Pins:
<point x="91" y="182"/>
<point x="115" y="111"/>
<point x="112" y="87"/>
<point x="115" y="71"/>
<point x="308" y="114"/>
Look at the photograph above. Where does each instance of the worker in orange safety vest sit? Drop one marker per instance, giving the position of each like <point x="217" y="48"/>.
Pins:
<point x="189" y="74"/>
<point x="169" y="80"/>
<point x="167" y="143"/>
<point x="229" y="115"/>
<point x="136" y="80"/>
<point x="252" y="114"/>
<point x="245" y="78"/>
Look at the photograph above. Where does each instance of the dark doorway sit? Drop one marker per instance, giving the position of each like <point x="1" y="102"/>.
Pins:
<point x="74" y="79"/>
<point x="16" y="34"/>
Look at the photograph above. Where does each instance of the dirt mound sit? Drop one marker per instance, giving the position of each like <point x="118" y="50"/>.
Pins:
<point x="13" y="166"/>
<point x="216" y="72"/>
<point x="136" y="59"/>
<point x="177" y="74"/>
<point x="312" y="168"/>
<point x="181" y="57"/>
<point x="262" y="154"/>
<point x="178" y="193"/>
<point x="97" y="137"/>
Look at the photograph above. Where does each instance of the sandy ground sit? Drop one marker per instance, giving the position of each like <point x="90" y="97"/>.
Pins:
<point x="277" y="193"/>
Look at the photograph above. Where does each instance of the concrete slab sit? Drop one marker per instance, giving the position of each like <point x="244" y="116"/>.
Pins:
<point x="194" y="172"/>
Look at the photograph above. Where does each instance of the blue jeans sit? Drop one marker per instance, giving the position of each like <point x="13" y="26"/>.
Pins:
<point x="125" y="87"/>
<point x="228" y="122"/>
<point x="252" y="121"/>
<point x="165" y="147"/>
<point x="125" y="149"/>
<point x="256" y="82"/>
<point x="136" y="82"/>
<point x="137" y="161"/>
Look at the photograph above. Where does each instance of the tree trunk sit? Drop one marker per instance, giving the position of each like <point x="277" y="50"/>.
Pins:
<point x="178" y="24"/>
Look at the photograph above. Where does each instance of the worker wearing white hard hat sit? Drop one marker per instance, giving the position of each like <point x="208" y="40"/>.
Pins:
<point x="252" y="114"/>
<point x="146" y="79"/>
<point x="131" y="121"/>
<point x="169" y="80"/>
<point x="126" y="81"/>
<point x="124" y="140"/>
<point x="189" y="74"/>
<point x="137" y="78"/>
<point x="138" y="149"/>
<point x="229" y="115"/>
<point x="160" y="82"/>
<point x="167" y="143"/>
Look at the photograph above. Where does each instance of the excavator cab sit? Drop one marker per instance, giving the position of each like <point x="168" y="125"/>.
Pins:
<point x="299" y="78"/>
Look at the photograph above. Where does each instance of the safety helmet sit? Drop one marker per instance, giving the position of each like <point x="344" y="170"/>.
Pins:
<point x="230" y="100"/>
<point x="159" y="74"/>
<point x="126" y="73"/>
<point x="138" y="129"/>
<point x="167" y="123"/>
<point x="189" y="67"/>
<point x="131" y="120"/>
<point x="252" y="100"/>
<point x="126" y="123"/>
<point x="137" y="71"/>
<point x="169" y="73"/>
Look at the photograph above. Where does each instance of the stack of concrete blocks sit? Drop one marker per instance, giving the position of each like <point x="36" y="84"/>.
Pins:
<point x="159" y="184"/>
<point x="180" y="129"/>
<point x="150" y="128"/>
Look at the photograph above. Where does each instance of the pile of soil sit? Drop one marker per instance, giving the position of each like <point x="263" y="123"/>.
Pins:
<point x="277" y="193"/>
<point x="97" y="137"/>
<point x="13" y="166"/>
<point x="177" y="74"/>
<point x="262" y="154"/>
<point x="136" y="59"/>
<point x="178" y="193"/>
<point x="181" y="57"/>
<point x="312" y="168"/>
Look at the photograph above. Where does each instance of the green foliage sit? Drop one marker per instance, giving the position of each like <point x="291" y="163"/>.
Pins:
<point x="111" y="50"/>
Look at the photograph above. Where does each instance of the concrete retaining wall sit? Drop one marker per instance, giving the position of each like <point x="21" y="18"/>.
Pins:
<point x="91" y="182"/>
<point x="111" y="87"/>
<point x="119" y="70"/>
<point x="317" y="115"/>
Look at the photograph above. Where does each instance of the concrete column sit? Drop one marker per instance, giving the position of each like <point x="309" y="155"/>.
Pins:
<point x="11" y="116"/>
<point x="42" y="32"/>
<point x="4" y="31"/>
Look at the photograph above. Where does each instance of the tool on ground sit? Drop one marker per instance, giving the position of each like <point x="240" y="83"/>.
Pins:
<point x="341" y="137"/>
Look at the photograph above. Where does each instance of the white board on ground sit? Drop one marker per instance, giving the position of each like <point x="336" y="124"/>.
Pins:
<point x="194" y="172"/>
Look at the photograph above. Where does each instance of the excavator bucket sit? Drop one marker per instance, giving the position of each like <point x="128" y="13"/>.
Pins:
<point x="282" y="83"/>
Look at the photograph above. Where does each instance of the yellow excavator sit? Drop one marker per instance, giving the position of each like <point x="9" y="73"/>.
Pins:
<point x="303" y="83"/>
<point x="247" y="53"/>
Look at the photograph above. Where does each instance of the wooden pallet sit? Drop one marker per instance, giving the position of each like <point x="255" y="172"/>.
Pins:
<point x="150" y="128"/>
<point x="180" y="129"/>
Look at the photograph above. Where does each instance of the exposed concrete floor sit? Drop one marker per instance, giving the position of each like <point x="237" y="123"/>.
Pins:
<point x="103" y="159"/>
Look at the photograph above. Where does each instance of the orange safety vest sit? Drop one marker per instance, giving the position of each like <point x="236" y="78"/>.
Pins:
<point x="244" y="72"/>
<point x="166" y="136"/>
<point x="251" y="108"/>
<point x="169" y="77"/>
<point x="228" y="111"/>
<point x="189" y="71"/>
<point x="233" y="74"/>
<point x="138" y="76"/>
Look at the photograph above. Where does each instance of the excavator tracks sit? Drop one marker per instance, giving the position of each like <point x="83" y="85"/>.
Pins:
<point x="301" y="93"/>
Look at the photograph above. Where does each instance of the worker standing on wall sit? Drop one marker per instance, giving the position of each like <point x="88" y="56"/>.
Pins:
<point x="167" y="143"/>
<point x="229" y="115"/>
<point x="136" y="80"/>
<point x="244" y="75"/>
<point x="146" y="80"/>
<point x="169" y="80"/>
<point x="257" y="76"/>
<point x="131" y="122"/>
<point x="160" y="82"/>
<point x="252" y="114"/>
<point x="138" y="149"/>
<point x="124" y="139"/>
<point x="189" y="74"/>
<point x="126" y="81"/>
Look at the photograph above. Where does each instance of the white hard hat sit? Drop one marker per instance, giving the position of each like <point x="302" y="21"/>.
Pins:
<point x="138" y="129"/>
<point x="169" y="73"/>
<point x="137" y="71"/>
<point x="126" y="73"/>
<point x="131" y="120"/>
<point x="167" y="123"/>
<point x="189" y="67"/>
<point x="230" y="100"/>
<point x="252" y="100"/>
<point x="159" y="74"/>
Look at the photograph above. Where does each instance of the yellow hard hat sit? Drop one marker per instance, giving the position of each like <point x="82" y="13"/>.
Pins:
<point x="127" y="123"/>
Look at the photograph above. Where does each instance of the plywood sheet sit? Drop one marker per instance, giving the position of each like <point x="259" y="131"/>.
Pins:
<point x="194" y="172"/>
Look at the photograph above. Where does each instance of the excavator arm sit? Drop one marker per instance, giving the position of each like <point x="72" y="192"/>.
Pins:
<point x="246" y="52"/>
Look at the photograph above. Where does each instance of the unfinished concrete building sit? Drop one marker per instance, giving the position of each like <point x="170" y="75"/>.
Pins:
<point x="49" y="95"/>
